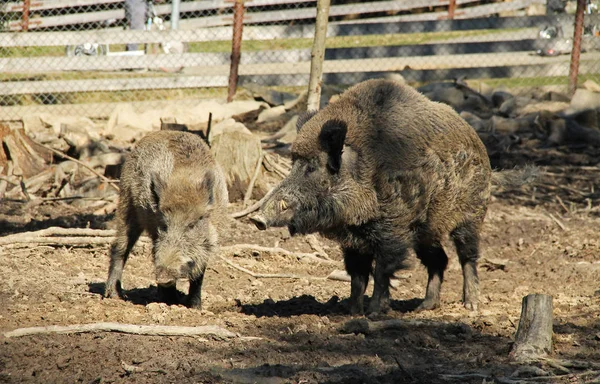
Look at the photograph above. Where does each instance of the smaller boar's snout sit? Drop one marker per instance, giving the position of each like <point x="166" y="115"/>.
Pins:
<point x="260" y="221"/>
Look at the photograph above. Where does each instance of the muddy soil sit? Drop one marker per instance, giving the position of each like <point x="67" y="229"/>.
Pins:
<point x="539" y="239"/>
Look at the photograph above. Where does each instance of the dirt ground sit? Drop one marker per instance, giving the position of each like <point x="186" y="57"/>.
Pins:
<point x="542" y="238"/>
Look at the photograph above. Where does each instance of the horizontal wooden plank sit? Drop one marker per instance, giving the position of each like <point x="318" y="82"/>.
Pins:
<point x="40" y="5"/>
<point x="249" y="18"/>
<point x="161" y="9"/>
<point x="91" y="110"/>
<point x="121" y="84"/>
<point x="217" y="75"/>
<point x="460" y="13"/>
<point x="156" y="62"/>
<point x="119" y="36"/>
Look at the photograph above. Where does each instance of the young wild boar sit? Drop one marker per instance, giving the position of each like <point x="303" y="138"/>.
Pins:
<point x="172" y="188"/>
<point x="381" y="170"/>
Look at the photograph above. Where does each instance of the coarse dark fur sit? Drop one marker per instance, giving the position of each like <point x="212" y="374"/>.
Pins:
<point x="381" y="170"/>
<point x="172" y="188"/>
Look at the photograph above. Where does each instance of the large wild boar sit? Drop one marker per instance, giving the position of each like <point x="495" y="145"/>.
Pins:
<point x="381" y="170"/>
<point x="172" y="188"/>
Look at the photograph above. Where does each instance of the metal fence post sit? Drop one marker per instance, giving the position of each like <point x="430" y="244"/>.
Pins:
<point x="576" y="52"/>
<point x="236" y="44"/>
<point x="26" y="7"/>
<point x="175" y="14"/>
<point x="451" y="8"/>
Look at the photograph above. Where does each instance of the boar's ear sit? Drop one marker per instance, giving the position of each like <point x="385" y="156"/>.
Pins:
<point x="303" y="118"/>
<point x="208" y="186"/>
<point x="332" y="138"/>
<point x="156" y="187"/>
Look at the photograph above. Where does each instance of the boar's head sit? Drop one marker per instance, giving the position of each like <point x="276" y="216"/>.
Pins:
<point x="185" y="237"/>
<point x="321" y="193"/>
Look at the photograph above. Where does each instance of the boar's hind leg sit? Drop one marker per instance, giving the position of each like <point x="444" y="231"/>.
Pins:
<point x="435" y="260"/>
<point x="128" y="231"/>
<point x="466" y="239"/>
<point x="386" y="263"/>
<point x="194" y="299"/>
<point x="358" y="266"/>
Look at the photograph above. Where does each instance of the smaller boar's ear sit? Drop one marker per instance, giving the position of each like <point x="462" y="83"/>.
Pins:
<point x="332" y="138"/>
<point x="303" y="118"/>
<point x="208" y="186"/>
<point x="156" y="187"/>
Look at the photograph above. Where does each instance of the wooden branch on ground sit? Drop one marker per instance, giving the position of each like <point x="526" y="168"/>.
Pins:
<point x="148" y="330"/>
<point x="237" y="248"/>
<point x="268" y="275"/>
<point x="253" y="207"/>
<point x="365" y="326"/>
<point x="248" y="193"/>
<point x="317" y="247"/>
<point x="534" y="334"/>
<point x="64" y="236"/>
<point x="65" y="156"/>
<point x="561" y="225"/>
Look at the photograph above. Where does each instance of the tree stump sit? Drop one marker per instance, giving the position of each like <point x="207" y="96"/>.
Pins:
<point x="27" y="156"/>
<point x="534" y="335"/>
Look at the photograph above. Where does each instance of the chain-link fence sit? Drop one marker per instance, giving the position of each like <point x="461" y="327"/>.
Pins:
<point x="83" y="56"/>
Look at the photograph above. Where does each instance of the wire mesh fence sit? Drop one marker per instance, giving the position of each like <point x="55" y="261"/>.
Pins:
<point x="87" y="55"/>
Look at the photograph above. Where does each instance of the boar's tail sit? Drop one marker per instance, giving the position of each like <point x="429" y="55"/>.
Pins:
<point x="515" y="177"/>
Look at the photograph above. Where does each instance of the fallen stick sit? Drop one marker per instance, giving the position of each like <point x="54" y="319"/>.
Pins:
<point x="258" y="248"/>
<point x="365" y="326"/>
<point x="248" y="193"/>
<point x="64" y="236"/>
<point x="148" y="330"/>
<point x="318" y="248"/>
<point x="561" y="225"/>
<point x="268" y="275"/>
<point x="253" y="207"/>
<point x="65" y="156"/>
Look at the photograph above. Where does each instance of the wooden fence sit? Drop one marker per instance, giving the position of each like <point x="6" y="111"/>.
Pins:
<point x="497" y="47"/>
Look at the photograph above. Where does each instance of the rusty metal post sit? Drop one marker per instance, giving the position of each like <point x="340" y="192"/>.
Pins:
<point x="236" y="45"/>
<point x="26" y="7"/>
<point x="451" y="8"/>
<point x="576" y="52"/>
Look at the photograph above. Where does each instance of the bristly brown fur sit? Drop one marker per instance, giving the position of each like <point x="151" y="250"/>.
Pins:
<point x="410" y="173"/>
<point x="172" y="188"/>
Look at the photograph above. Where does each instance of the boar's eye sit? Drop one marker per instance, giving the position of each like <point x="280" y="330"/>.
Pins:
<point x="191" y="225"/>
<point x="310" y="168"/>
<point x="162" y="226"/>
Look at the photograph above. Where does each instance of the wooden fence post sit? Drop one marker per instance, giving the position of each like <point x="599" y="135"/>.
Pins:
<point x="236" y="47"/>
<point x="317" y="55"/>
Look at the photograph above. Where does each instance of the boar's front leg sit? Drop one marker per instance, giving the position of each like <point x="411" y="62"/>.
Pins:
<point x="358" y="266"/>
<point x="194" y="299"/>
<point x="128" y="232"/>
<point x="434" y="258"/>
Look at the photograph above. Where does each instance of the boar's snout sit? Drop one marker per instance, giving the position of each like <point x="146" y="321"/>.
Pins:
<point x="260" y="221"/>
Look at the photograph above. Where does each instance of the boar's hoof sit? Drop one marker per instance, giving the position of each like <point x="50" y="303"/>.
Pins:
<point x="259" y="221"/>
<point x="113" y="292"/>
<point x="194" y="303"/>
<point x="427" y="305"/>
<point x="471" y="306"/>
